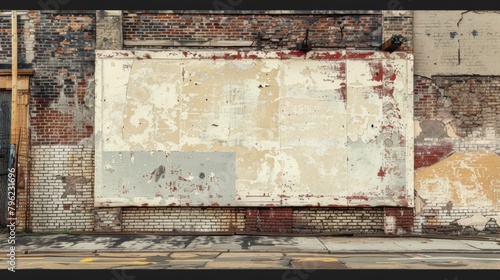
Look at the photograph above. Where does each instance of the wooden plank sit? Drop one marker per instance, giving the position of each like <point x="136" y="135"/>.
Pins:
<point x="14" y="112"/>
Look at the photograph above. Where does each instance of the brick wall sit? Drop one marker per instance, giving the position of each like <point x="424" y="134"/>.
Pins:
<point x="399" y="22"/>
<point x="425" y="98"/>
<point x="61" y="121"/>
<point x="62" y="88"/>
<point x="189" y="219"/>
<point x="402" y="219"/>
<point x="248" y="220"/>
<point x="456" y="114"/>
<point x="61" y="188"/>
<point x="62" y="109"/>
<point x="269" y="220"/>
<point x="279" y="31"/>
<point x="25" y="38"/>
<point x="335" y="220"/>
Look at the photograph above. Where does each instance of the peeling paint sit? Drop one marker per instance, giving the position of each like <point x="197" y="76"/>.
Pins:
<point x="478" y="222"/>
<point x="456" y="46"/>
<point x="466" y="179"/>
<point x="304" y="128"/>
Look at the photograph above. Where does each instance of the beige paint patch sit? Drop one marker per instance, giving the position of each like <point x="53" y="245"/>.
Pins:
<point x="467" y="179"/>
<point x="287" y="121"/>
<point x="364" y="103"/>
<point x="478" y="222"/>
<point x="450" y="131"/>
<point x="456" y="42"/>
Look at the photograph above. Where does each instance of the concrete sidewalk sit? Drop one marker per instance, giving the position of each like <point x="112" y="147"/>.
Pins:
<point x="94" y="243"/>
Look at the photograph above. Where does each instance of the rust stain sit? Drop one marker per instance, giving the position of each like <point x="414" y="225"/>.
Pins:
<point x="381" y="172"/>
<point x="402" y="203"/>
<point x="252" y="56"/>
<point x="377" y="71"/>
<point x="172" y="204"/>
<point x="343" y="92"/>
<point x="357" y="55"/>
<point x="226" y="56"/>
<point x="215" y="204"/>
<point x="360" y="197"/>
<point x="187" y="204"/>
<point x="328" y="56"/>
<point x="145" y="204"/>
<point x="289" y="55"/>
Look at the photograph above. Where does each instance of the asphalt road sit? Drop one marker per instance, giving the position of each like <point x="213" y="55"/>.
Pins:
<point x="255" y="260"/>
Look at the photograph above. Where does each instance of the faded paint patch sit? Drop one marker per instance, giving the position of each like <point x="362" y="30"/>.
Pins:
<point x="462" y="42"/>
<point x="289" y="122"/>
<point x="417" y="129"/>
<point x="478" y="222"/>
<point x="431" y="129"/>
<point x="450" y="131"/>
<point x="156" y="178"/>
<point x="466" y="179"/>
<point x="71" y="184"/>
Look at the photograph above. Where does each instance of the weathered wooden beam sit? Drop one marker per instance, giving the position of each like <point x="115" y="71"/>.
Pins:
<point x="14" y="131"/>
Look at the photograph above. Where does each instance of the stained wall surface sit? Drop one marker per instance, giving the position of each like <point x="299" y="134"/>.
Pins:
<point x="222" y="128"/>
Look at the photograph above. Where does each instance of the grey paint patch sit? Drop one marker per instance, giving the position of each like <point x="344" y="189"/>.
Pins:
<point x="431" y="129"/>
<point x="71" y="183"/>
<point x="448" y="207"/>
<point x="388" y="142"/>
<point x="181" y="178"/>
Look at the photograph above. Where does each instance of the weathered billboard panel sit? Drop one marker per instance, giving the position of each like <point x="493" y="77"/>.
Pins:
<point x="285" y="128"/>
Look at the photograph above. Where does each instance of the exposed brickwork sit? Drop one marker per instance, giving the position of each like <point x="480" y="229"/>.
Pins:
<point x="62" y="114"/>
<point x="278" y="31"/>
<point x="425" y="98"/>
<point x="108" y="219"/>
<point x="183" y="219"/>
<point x="429" y="153"/>
<point x="63" y="86"/>
<point x="330" y="220"/>
<point x="403" y="218"/>
<point x="255" y="220"/>
<point x="441" y="218"/>
<point x="269" y="220"/>
<point x="25" y="30"/>
<point x="109" y="30"/>
<point x="455" y="114"/>
<point x="61" y="192"/>
<point x="399" y="22"/>
<point x="474" y="103"/>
